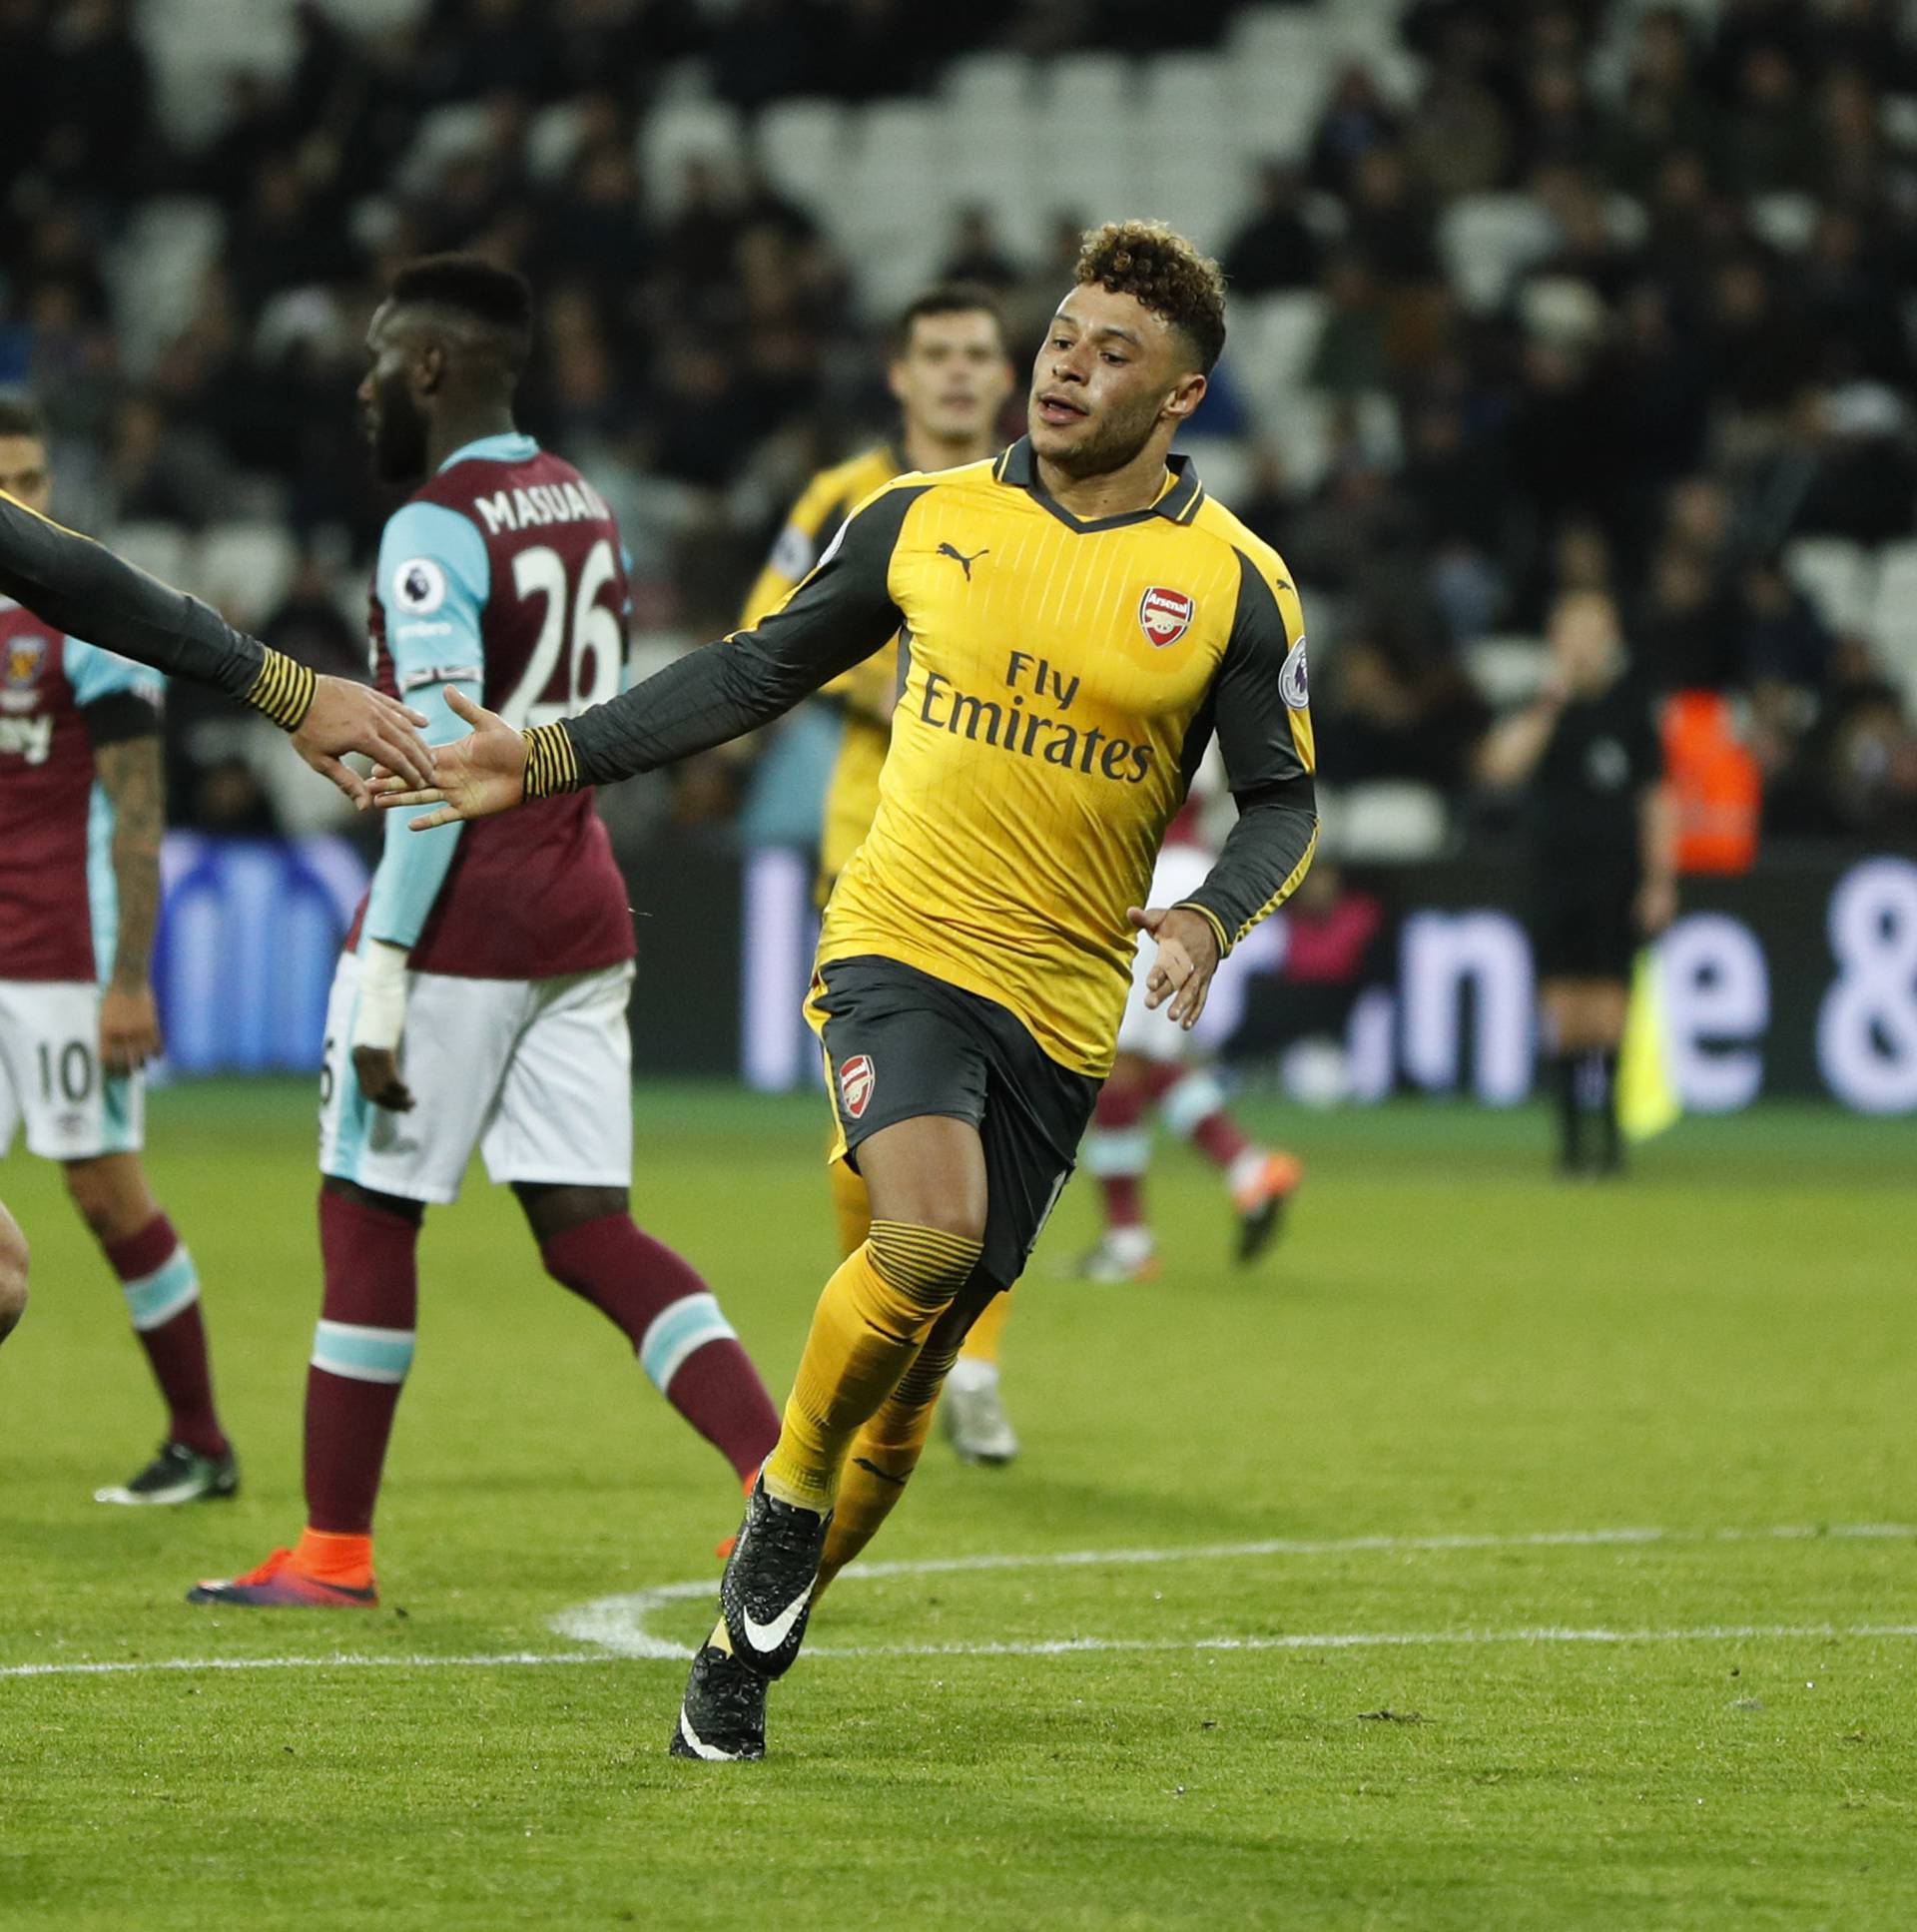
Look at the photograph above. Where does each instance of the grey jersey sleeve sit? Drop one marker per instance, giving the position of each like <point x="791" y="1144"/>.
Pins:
<point x="1259" y="712"/>
<point x="84" y="589"/>
<point x="839" y="615"/>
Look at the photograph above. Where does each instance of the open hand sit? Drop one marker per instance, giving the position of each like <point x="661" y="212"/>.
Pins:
<point x="473" y="778"/>
<point x="348" y="717"/>
<point x="1187" y="959"/>
<point x="129" y="1029"/>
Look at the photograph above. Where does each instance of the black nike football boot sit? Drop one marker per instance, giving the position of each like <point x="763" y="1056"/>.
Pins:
<point x="765" y="1595"/>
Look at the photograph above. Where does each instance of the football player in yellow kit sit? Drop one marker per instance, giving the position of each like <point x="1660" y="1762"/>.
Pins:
<point x="951" y="376"/>
<point x="1079" y="620"/>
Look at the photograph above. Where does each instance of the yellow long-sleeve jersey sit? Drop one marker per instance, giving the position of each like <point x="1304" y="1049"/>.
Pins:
<point x="1060" y="680"/>
<point x="865" y="694"/>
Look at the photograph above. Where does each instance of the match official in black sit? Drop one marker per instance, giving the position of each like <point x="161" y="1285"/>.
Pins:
<point x="1600" y="833"/>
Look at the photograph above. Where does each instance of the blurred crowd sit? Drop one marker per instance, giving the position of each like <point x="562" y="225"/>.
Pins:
<point x="1707" y="360"/>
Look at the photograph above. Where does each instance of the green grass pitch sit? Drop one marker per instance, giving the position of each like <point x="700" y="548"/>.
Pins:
<point x="1456" y="1693"/>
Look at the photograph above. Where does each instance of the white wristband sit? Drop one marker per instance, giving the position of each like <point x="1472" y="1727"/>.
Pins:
<point x="380" y="1016"/>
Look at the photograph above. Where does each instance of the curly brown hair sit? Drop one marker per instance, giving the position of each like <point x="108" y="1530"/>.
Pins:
<point x="1161" y="270"/>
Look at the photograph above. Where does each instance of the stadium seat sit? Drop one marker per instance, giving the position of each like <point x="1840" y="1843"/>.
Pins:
<point x="552" y="140"/>
<point x="677" y="133"/>
<point x="1367" y="36"/>
<point x="378" y="16"/>
<point x="897" y="157"/>
<point x="1224" y="465"/>
<point x="1175" y="188"/>
<point x="1388" y="822"/>
<point x="445" y="134"/>
<point x="803" y="146"/>
<point x="1508" y="670"/>
<point x="1489" y="241"/>
<point x="1088" y="90"/>
<point x="164" y="549"/>
<point x="893" y="208"/>
<point x="1298" y="424"/>
<point x="159" y="271"/>
<point x="1786" y="221"/>
<point x="1182" y="94"/>
<point x="193" y="43"/>
<point x="1628" y="221"/>
<point x="1562" y="308"/>
<point x="995" y="86"/>
<point x="1893" y="618"/>
<point x="1283" y="38"/>
<point x="993" y="162"/>
<point x="1280" y="64"/>
<point x="245" y="568"/>
<point x="1271" y="342"/>
<point x="1898" y="117"/>
<point x="1837" y="576"/>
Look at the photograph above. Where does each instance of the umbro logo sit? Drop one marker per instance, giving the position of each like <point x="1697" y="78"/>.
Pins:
<point x="958" y="557"/>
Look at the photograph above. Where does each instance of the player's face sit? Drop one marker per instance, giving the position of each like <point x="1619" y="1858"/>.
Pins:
<point x="23" y="472"/>
<point x="396" y="423"/>
<point x="1109" y="373"/>
<point x="952" y="376"/>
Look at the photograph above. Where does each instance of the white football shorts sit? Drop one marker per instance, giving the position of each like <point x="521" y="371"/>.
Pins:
<point x="535" y="1074"/>
<point x="1181" y="871"/>
<point x="50" y="1074"/>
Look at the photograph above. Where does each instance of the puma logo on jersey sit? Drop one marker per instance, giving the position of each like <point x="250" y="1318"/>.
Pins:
<point x="958" y="557"/>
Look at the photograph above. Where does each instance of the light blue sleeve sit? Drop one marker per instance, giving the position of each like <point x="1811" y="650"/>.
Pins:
<point x="95" y="674"/>
<point x="433" y="578"/>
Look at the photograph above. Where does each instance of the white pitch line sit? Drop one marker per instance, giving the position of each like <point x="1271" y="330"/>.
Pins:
<point x="619" y="1622"/>
<point x="615" y="1625"/>
<point x="1060" y="1646"/>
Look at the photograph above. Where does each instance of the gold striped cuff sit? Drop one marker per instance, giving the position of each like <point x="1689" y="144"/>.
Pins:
<point x="283" y="690"/>
<point x="1217" y="925"/>
<point x="552" y="766"/>
<point x="926" y="1265"/>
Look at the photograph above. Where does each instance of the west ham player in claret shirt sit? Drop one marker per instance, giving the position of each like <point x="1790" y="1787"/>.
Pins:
<point x="82" y="809"/>
<point x="481" y="998"/>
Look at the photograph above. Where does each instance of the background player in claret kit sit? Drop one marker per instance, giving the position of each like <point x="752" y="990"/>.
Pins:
<point x="74" y="586"/>
<point x="481" y="999"/>
<point x="976" y="952"/>
<point x="1160" y="1068"/>
<point x="951" y="376"/>
<point x="82" y="809"/>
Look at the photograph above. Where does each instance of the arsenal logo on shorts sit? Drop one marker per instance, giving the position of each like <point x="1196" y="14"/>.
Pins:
<point x="855" y="1081"/>
<point x="1165" y="616"/>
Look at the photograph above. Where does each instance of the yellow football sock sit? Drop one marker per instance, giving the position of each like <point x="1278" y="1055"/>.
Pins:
<point x="981" y="1345"/>
<point x="876" y="1310"/>
<point x="883" y="1455"/>
<point x="850" y="1206"/>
